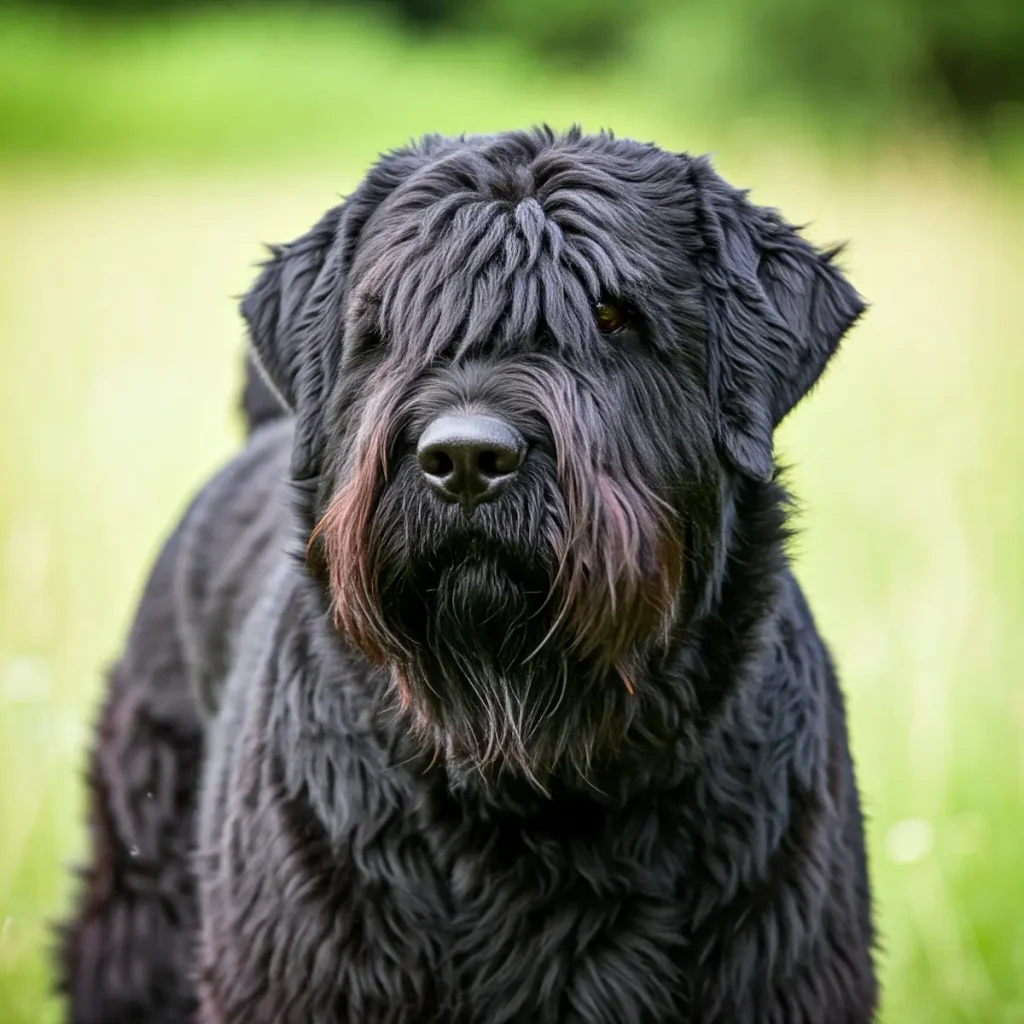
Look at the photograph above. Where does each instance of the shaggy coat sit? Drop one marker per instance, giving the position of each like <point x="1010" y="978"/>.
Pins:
<point x="578" y="757"/>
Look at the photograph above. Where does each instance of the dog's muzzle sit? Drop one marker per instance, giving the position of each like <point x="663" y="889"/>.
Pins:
<point x="470" y="459"/>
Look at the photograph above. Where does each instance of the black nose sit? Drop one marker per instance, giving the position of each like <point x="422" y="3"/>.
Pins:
<point x="469" y="459"/>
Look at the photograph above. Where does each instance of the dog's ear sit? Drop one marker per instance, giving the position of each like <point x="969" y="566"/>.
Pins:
<point x="294" y="310"/>
<point x="282" y="310"/>
<point x="273" y="307"/>
<point x="776" y="311"/>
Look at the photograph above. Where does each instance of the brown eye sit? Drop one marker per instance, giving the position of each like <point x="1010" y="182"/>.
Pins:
<point x="610" y="317"/>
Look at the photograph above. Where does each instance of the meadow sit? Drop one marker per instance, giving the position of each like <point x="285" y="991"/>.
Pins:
<point x="131" y="214"/>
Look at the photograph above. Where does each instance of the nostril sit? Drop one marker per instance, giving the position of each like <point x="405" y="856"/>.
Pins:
<point x="487" y="463"/>
<point x="494" y="462"/>
<point x="437" y="462"/>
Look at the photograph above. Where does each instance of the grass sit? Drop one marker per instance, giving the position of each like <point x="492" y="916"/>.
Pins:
<point x="297" y="79"/>
<point x="114" y="289"/>
<point x="209" y="88"/>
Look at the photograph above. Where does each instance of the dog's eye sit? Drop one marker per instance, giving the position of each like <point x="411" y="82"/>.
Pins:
<point x="610" y="317"/>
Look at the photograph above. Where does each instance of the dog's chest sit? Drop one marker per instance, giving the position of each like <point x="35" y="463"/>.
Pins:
<point x="575" y="923"/>
<point x="442" y="912"/>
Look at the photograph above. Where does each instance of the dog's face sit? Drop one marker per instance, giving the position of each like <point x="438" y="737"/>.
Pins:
<point x="525" y="370"/>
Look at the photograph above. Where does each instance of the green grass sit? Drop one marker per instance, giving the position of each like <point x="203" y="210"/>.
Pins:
<point x="214" y="87"/>
<point x="115" y="285"/>
<point x="292" y="81"/>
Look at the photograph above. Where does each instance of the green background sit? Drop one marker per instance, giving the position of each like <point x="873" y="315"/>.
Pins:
<point x="145" y="155"/>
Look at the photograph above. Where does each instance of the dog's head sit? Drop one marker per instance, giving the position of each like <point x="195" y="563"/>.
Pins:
<point x="525" y="370"/>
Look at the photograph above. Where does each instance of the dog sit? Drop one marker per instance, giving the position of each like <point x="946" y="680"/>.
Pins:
<point x="478" y="688"/>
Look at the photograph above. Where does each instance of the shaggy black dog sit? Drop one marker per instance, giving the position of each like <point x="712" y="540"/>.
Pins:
<point x="485" y="665"/>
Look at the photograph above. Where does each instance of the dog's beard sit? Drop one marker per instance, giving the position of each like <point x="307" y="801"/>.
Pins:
<point x="489" y="676"/>
<point x="485" y="684"/>
<point x="513" y="639"/>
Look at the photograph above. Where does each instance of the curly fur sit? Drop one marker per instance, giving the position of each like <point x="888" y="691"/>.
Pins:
<point x="578" y="757"/>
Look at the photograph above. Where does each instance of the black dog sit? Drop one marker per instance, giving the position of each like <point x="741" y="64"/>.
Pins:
<point x="516" y="712"/>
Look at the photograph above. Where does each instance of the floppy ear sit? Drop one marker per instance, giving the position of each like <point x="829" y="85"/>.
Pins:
<point x="281" y="310"/>
<point x="776" y="311"/>
<point x="295" y="309"/>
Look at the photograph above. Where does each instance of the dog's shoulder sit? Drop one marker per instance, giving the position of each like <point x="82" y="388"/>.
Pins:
<point x="234" y="531"/>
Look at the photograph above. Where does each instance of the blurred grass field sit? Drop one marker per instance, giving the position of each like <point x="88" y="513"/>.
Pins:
<point x="119" y="359"/>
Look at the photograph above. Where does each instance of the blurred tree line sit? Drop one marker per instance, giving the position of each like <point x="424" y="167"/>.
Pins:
<point x="961" y="59"/>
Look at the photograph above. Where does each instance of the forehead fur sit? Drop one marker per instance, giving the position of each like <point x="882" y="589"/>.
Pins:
<point x="492" y="239"/>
